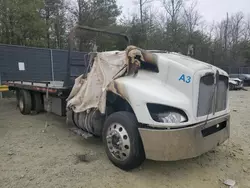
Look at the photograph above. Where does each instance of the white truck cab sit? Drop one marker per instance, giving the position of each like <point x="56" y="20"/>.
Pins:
<point x="183" y="108"/>
<point x="150" y="104"/>
<point x="176" y="109"/>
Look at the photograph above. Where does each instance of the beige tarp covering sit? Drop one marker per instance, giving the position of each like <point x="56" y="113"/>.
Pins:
<point x="90" y="92"/>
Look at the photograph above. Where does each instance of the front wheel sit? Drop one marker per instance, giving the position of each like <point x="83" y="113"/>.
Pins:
<point x="122" y="140"/>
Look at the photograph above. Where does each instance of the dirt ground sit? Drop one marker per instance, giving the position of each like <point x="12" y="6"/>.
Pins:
<point x="34" y="156"/>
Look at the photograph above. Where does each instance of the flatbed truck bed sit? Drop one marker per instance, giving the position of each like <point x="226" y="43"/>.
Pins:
<point x="41" y="92"/>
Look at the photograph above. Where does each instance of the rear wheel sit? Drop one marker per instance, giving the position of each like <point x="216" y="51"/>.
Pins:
<point x="24" y="102"/>
<point x="37" y="103"/>
<point x="17" y="97"/>
<point x="122" y="140"/>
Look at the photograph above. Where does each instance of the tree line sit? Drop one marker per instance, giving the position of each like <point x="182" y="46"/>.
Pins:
<point x="176" y="26"/>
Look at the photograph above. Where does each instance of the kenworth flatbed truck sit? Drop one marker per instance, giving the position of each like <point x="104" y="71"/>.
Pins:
<point x="174" y="107"/>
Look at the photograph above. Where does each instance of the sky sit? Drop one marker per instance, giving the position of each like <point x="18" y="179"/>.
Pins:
<point x="211" y="10"/>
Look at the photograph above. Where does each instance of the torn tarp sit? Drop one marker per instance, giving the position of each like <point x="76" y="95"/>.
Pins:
<point x="90" y="92"/>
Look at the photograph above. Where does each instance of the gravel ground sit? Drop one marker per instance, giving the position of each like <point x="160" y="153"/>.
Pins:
<point x="32" y="155"/>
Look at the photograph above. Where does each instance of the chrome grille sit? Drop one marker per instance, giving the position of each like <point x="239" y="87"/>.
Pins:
<point x="221" y="94"/>
<point x="210" y="99"/>
<point x="205" y="91"/>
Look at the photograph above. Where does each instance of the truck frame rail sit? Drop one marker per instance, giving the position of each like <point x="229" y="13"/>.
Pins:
<point x="54" y="88"/>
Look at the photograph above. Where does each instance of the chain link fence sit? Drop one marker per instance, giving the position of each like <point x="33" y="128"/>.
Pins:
<point x="236" y="70"/>
<point x="39" y="64"/>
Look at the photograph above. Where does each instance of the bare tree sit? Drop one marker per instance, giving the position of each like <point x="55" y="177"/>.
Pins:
<point x="236" y="27"/>
<point x="141" y="4"/>
<point x="191" y="17"/>
<point x="247" y="29"/>
<point x="226" y="34"/>
<point x="236" y="34"/>
<point x="173" y="8"/>
<point x="222" y="38"/>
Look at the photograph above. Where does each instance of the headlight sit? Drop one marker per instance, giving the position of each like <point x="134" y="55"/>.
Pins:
<point x="166" y="114"/>
<point x="171" y="117"/>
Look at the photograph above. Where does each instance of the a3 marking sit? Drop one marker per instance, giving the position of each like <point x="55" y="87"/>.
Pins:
<point x="184" y="78"/>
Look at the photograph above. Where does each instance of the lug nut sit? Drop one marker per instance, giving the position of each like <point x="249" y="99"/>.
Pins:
<point x="109" y="136"/>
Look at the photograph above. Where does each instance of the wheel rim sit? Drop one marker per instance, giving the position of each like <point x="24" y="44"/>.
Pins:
<point x="21" y="105"/>
<point x="118" y="141"/>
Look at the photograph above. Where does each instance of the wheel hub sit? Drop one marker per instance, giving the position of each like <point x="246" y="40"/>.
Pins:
<point x="118" y="141"/>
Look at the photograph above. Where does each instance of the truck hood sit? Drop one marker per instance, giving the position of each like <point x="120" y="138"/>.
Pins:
<point x="192" y="64"/>
<point x="176" y="84"/>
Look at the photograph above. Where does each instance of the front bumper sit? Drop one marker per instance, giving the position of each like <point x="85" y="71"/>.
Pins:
<point x="184" y="143"/>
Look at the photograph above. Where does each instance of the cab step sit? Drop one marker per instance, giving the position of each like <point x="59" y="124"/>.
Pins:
<point x="80" y="132"/>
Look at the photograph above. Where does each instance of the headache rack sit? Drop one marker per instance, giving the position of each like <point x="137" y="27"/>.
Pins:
<point x="69" y="80"/>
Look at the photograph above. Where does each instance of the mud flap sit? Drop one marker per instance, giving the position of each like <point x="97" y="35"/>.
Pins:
<point x="69" y="118"/>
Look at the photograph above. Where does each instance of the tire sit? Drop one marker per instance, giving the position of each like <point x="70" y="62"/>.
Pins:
<point x="25" y="103"/>
<point x="37" y="102"/>
<point x="122" y="128"/>
<point x="17" y="97"/>
<point x="231" y="86"/>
